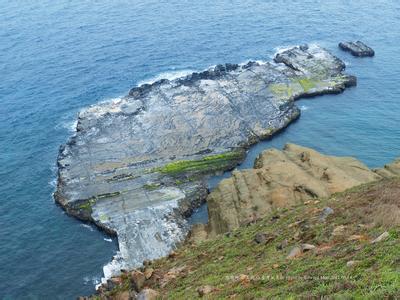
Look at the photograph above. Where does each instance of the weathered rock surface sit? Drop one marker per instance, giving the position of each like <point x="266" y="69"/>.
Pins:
<point x="357" y="48"/>
<point x="148" y="294"/>
<point x="389" y="170"/>
<point x="295" y="252"/>
<point x="264" y="238"/>
<point x="205" y="290"/>
<point x="282" y="179"/>
<point x="136" y="166"/>
<point x="380" y="238"/>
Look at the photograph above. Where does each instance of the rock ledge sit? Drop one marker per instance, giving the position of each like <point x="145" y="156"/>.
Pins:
<point x="281" y="179"/>
<point x="136" y="166"/>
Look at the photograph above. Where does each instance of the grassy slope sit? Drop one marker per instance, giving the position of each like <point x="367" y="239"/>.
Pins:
<point x="236" y="266"/>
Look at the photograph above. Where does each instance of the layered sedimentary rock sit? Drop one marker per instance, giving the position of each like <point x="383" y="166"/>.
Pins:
<point x="357" y="48"/>
<point x="389" y="170"/>
<point x="136" y="166"/>
<point x="282" y="179"/>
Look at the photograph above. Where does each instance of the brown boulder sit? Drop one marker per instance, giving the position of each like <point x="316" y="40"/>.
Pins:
<point x="123" y="295"/>
<point x="205" y="290"/>
<point x="307" y="247"/>
<point x="148" y="272"/>
<point x="147" y="294"/>
<point x="264" y="238"/>
<point x="295" y="252"/>
<point x="137" y="279"/>
<point x="380" y="238"/>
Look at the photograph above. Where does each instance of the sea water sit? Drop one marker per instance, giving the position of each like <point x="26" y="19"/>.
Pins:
<point x="57" y="57"/>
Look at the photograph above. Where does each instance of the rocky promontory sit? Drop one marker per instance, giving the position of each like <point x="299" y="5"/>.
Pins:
<point x="282" y="179"/>
<point x="136" y="166"/>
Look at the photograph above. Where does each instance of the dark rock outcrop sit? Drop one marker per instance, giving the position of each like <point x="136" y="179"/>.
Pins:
<point x="136" y="166"/>
<point x="357" y="48"/>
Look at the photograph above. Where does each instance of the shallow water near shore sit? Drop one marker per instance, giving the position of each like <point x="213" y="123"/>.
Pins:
<point x="56" y="58"/>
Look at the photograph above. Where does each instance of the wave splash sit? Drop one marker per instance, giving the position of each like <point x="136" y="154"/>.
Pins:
<point x="167" y="75"/>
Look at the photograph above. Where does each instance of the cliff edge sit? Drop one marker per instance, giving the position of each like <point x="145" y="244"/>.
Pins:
<point x="281" y="179"/>
<point x="345" y="246"/>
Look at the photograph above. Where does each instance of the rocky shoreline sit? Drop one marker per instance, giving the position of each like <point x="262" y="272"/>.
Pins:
<point x="294" y="203"/>
<point x="137" y="167"/>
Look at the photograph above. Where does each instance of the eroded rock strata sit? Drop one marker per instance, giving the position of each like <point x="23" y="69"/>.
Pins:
<point x="282" y="179"/>
<point x="136" y="167"/>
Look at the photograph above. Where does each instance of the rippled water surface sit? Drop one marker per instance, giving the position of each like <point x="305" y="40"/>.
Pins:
<point x="57" y="57"/>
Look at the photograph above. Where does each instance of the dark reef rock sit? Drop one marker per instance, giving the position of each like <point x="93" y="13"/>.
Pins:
<point x="137" y="166"/>
<point x="357" y="48"/>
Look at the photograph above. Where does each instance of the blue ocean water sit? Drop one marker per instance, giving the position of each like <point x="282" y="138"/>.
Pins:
<point x="57" y="57"/>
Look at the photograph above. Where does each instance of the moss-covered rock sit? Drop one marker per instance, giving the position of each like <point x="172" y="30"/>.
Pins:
<point x="206" y="164"/>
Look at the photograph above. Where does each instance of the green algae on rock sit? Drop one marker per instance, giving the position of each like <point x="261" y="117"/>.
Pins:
<point x="206" y="164"/>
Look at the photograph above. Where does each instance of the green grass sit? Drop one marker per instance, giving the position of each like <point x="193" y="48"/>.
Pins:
<point x="206" y="164"/>
<point x="221" y="262"/>
<point x="87" y="204"/>
<point x="311" y="275"/>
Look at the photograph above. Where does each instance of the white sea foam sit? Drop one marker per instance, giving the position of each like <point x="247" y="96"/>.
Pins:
<point x="260" y="62"/>
<point x="68" y="122"/>
<point x="166" y="75"/>
<point x="107" y="240"/>
<point x="87" y="226"/>
<point x="149" y="222"/>
<point x="283" y="48"/>
<point x="304" y="107"/>
<point x="71" y="126"/>
<point x="113" y="268"/>
<point x="53" y="182"/>
<point x="91" y="280"/>
<point x="110" y="105"/>
<point x="277" y="50"/>
<point x="113" y="100"/>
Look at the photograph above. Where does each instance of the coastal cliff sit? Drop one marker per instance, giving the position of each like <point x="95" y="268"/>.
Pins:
<point x="326" y="227"/>
<point x="136" y="167"/>
<point x="281" y="179"/>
